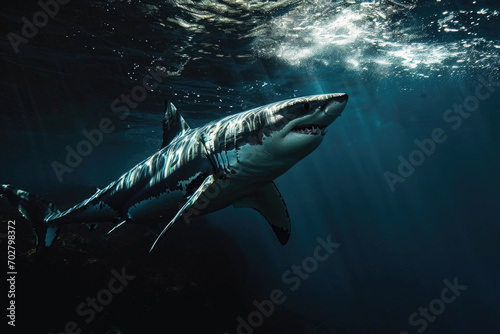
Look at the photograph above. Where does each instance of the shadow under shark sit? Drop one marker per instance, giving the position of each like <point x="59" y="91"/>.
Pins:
<point x="237" y="158"/>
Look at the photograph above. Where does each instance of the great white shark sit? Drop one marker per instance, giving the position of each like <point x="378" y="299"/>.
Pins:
<point x="231" y="161"/>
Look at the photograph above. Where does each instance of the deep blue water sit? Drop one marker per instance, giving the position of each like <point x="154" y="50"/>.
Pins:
<point x="404" y="65"/>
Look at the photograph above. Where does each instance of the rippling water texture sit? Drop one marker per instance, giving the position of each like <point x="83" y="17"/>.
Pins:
<point x="404" y="64"/>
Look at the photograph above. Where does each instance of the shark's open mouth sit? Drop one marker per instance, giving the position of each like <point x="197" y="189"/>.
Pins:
<point x="311" y="129"/>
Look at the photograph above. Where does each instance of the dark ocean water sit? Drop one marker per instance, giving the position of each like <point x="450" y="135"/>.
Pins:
<point x="415" y="71"/>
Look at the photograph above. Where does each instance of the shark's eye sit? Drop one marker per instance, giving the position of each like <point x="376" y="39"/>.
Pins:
<point x="307" y="106"/>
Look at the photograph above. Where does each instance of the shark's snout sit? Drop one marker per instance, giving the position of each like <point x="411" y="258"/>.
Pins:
<point x="335" y="105"/>
<point x="341" y="98"/>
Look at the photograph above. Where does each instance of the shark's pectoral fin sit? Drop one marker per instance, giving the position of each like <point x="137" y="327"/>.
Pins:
<point x="119" y="225"/>
<point x="269" y="202"/>
<point x="201" y="189"/>
<point x="173" y="124"/>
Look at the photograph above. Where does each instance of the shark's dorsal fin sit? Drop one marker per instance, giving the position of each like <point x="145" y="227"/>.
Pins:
<point x="173" y="124"/>
<point x="268" y="201"/>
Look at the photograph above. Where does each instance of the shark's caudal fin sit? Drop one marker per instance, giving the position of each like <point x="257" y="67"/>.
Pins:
<point x="35" y="210"/>
<point x="173" y="124"/>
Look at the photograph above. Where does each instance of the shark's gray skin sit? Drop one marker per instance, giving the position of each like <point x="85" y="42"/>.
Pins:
<point x="232" y="161"/>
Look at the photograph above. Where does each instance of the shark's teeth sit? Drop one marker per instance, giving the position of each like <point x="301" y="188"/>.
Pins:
<point x="310" y="130"/>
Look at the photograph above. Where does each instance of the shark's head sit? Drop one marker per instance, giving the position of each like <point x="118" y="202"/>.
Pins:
<point x="296" y="127"/>
<point x="272" y="138"/>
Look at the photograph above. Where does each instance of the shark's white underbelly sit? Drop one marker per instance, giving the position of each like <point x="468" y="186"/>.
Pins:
<point x="163" y="208"/>
<point x="157" y="209"/>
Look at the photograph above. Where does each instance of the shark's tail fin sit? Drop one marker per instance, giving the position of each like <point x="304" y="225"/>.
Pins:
<point x="36" y="210"/>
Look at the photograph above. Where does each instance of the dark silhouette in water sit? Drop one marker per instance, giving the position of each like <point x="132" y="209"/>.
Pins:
<point x="193" y="283"/>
